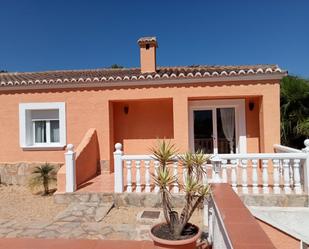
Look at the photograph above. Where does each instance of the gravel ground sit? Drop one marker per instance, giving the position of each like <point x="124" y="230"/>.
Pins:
<point x="18" y="203"/>
<point x="128" y="215"/>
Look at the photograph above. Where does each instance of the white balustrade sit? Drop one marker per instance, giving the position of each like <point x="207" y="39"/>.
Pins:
<point x="129" y="175"/>
<point x="297" y="185"/>
<point x="265" y="176"/>
<point x="276" y="176"/>
<point x="224" y="170"/>
<point x="70" y="169"/>
<point x="175" y="175"/>
<point x="118" y="168"/>
<point x="156" y="166"/>
<point x="138" y="176"/>
<point x="294" y="163"/>
<point x="286" y="176"/>
<point x="244" y="176"/>
<point x="205" y="178"/>
<point x="147" y="176"/>
<point x="255" y="189"/>
<point x="184" y="175"/>
<point x="234" y="175"/>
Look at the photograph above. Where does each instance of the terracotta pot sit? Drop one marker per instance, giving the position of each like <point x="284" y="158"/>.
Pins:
<point x="175" y="244"/>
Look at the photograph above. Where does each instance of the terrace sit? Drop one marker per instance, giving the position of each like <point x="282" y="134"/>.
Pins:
<point x="258" y="179"/>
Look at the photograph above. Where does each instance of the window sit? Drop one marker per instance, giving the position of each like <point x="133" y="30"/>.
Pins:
<point x="42" y="125"/>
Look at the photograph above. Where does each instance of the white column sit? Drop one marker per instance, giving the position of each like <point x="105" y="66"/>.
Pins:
<point x="70" y="170"/>
<point x="265" y="176"/>
<point x="129" y="175"/>
<point x="175" y="175"/>
<point x="306" y="167"/>
<point x="118" y="169"/>
<point x="255" y="189"/>
<point x="276" y="176"/>
<point x="244" y="176"/>
<point x="286" y="176"/>
<point x="138" y="176"/>
<point x="234" y="175"/>
<point x="297" y="186"/>
<point x="224" y="170"/>
<point x="156" y="168"/>
<point x="147" y="176"/>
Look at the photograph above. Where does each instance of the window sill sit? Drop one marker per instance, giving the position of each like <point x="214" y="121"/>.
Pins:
<point x="44" y="147"/>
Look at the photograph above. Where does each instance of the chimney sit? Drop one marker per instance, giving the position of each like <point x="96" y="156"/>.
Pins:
<point x="148" y="46"/>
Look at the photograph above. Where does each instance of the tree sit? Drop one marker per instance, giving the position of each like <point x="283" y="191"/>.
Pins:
<point x="114" y="66"/>
<point x="294" y="106"/>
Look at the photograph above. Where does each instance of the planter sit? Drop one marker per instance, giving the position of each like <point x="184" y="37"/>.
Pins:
<point x="190" y="243"/>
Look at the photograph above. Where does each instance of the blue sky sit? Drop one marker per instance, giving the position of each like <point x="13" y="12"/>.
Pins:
<point x="39" y="35"/>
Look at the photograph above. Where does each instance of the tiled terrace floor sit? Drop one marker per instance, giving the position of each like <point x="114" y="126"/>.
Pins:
<point x="72" y="244"/>
<point x="103" y="183"/>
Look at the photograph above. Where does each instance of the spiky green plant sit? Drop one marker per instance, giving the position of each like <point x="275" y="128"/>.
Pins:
<point x="42" y="176"/>
<point x="195" y="190"/>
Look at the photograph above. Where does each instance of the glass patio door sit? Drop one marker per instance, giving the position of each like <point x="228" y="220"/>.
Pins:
<point x="214" y="130"/>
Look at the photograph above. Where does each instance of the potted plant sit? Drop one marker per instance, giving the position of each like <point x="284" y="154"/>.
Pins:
<point x="176" y="231"/>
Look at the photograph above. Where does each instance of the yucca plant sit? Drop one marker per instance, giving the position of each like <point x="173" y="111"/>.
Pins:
<point x="195" y="190"/>
<point x="42" y="176"/>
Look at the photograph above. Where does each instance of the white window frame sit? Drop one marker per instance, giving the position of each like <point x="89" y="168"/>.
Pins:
<point x="27" y="142"/>
<point x="240" y="119"/>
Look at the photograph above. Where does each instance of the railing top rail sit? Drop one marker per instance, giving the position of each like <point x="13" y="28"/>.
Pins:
<point x="298" y="155"/>
<point x="137" y="157"/>
<point x="282" y="148"/>
<point x="264" y="156"/>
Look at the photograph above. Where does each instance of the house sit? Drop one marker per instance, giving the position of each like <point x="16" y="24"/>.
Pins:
<point x="219" y="109"/>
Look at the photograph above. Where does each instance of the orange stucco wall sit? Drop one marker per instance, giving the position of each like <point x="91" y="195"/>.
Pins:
<point x="145" y="121"/>
<point x="94" y="108"/>
<point x="87" y="157"/>
<point x="87" y="160"/>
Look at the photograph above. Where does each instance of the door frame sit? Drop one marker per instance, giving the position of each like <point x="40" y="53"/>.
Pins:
<point x="240" y="119"/>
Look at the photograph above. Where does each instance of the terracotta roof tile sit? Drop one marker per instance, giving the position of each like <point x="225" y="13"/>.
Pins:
<point x="24" y="79"/>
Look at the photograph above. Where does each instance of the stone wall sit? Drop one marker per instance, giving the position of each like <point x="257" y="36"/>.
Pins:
<point x="18" y="173"/>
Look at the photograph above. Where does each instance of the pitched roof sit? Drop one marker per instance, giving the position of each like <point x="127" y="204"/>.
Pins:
<point x="75" y="77"/>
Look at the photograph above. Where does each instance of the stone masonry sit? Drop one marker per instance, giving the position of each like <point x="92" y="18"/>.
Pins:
<point x="18" y="173"/>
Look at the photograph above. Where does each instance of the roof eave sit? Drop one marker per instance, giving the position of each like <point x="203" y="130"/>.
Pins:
<point x="148" y="82"/>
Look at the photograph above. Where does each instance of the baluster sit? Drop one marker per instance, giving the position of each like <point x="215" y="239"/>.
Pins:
<point x="175" y="174"/>
<point x="129" y="176"/>
<point x="291" y="173"/>
<point x="213" y="173"/>
<point x="234" y="175"/>
<point x="276" y="165"/>
<point x="224" y="171"/>
<point x="138" y="176"/>
<point x="297" y="186"/>
<point x="156" y="168"/>
<point x="265" y="176"/>
<point x="255" y="189"/>
<point x="205" y="179"/>
<point x="184" y="175"/>
<point x="147" y="176"/>
<point x="286" y="176"/>
<point x="244" y="176"/>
